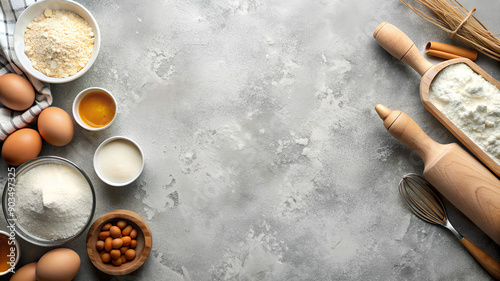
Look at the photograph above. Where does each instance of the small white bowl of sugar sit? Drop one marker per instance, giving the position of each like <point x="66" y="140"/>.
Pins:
<point x="118" y="161"/>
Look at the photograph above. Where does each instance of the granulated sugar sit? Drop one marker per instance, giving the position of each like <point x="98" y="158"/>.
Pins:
<point x="52" y="201"/>
<point x="471" y="103"/>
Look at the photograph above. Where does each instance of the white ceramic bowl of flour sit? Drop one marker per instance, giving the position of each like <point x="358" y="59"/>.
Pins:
<point x="36" y="9"/>
<point x="118" y="161"/>
<point x="50" y="200"/>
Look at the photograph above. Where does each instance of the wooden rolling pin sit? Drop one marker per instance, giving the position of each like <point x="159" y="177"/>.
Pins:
<point x="456" y="174"/>
<point x="402" y="47"/>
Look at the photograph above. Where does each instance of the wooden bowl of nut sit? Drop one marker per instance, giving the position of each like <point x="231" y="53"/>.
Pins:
<point x="119" y="242"/>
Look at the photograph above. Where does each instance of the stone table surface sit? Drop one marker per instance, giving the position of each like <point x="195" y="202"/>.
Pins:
<point x="265" y="159"/>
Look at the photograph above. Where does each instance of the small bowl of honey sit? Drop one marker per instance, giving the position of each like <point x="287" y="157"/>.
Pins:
<point x="94" y="109"/>
<point x="9" y="252"/>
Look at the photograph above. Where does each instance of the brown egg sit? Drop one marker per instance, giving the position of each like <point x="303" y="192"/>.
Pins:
<point x="56" y="126"/>
<point x="60" y="264"/>
<point x="16" y="92"/>
<point x="21" y="146"/>
<point x="25" y="273"/>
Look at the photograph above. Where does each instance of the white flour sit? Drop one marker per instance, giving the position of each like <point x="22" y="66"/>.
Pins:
<point x="52" y="201"/>
<point x="471" y="103"/>
<point x="58" y="43"/>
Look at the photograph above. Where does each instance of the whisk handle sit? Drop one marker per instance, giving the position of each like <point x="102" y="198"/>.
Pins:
<point x="400" y="46"/>
<point x="489" y="263"/>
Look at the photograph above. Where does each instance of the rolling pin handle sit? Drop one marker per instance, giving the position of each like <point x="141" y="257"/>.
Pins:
<point x="403" y="128"/>
<point x="400" y="46"/>
<point x="382" y="111"/>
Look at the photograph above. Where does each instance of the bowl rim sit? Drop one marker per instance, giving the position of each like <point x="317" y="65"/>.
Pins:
<point x="76" y="111"/>
<point x="99" y="148"/>
<point x="18" y="252"/>
<point x="131" y="216"/>
<point x="12" y="220"/>
<point x="23" y="62"/>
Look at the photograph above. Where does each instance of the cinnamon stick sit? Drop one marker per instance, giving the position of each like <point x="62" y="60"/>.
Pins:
<point x="446" y="51"/>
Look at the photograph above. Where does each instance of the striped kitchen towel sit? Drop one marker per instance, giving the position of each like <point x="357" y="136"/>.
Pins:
<point x="11" y="120"/>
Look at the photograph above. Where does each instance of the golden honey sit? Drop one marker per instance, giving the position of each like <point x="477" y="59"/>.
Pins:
<point x="97" y="109"/>
<point x="6" y="253"/>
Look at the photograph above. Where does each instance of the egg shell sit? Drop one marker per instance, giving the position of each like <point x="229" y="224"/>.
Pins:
<point x="25" y="273"/>
<point x="56" y="126"/>
<point x="60" y="264"/>
<point x="21" y="146"/>
<point x="16" y="92"/>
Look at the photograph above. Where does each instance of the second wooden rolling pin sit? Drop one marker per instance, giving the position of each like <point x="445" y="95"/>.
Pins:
<point x="458" y="176"/>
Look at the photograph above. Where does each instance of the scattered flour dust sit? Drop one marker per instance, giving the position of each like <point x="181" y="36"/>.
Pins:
<point x="162" y="64"/>
<point x="257" y="258"/>
<point x="294" y="189"/>
<point x="471" y="103"/>
<point x="383" y="153"/>
<point x="298" y="182"/>
<point x="59" y="43"/>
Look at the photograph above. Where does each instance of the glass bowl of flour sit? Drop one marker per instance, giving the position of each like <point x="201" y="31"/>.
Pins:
<point x="49" y="201"/>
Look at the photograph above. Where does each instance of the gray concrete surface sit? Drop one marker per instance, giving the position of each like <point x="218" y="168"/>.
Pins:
<point x="265" y="159"/>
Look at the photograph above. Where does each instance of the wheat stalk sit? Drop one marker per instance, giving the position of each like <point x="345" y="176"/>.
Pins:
<point x="459" y="22"/>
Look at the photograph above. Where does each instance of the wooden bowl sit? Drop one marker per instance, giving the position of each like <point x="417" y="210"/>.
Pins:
<point x="402" y="47"/>
<point x="143" y="248"/>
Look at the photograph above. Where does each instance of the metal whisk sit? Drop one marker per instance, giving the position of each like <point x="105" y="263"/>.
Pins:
<point x="418" y="194"/>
